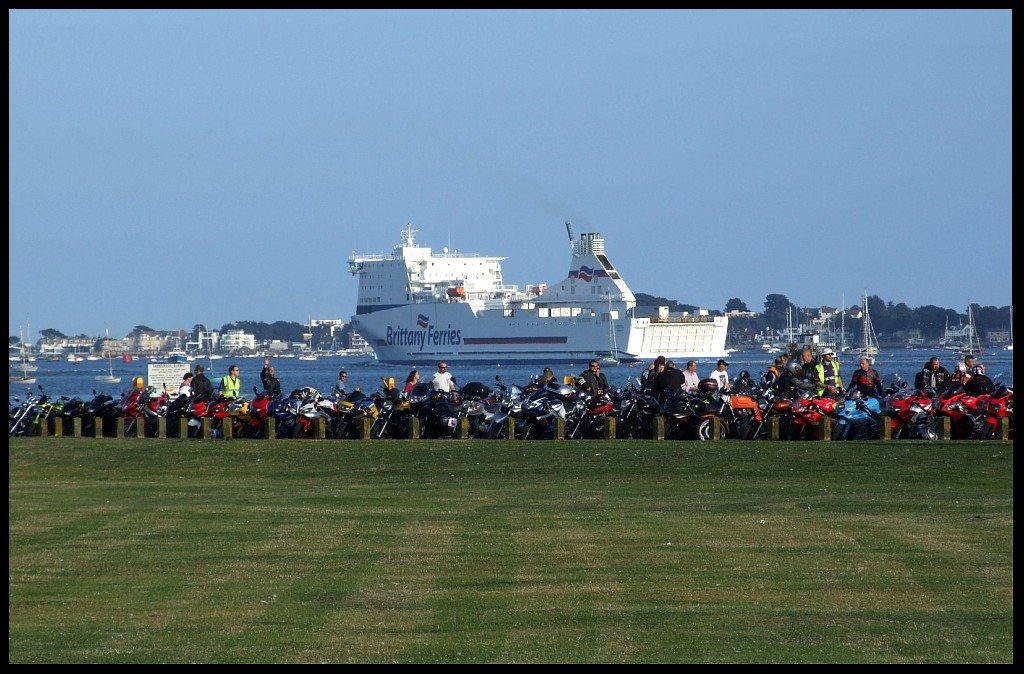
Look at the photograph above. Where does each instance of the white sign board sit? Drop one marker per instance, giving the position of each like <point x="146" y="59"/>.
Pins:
<point x="166" y="375"/>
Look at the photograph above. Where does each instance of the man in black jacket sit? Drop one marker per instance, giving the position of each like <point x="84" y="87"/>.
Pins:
<point x="668" y="382"/>
<point x="933" y="376"/>
<point x="594" y="380"/>
<point x="269" y="378"/>
<point x="202" y="389"/>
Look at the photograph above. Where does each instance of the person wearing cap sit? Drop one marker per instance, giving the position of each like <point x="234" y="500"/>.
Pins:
<point x="721" y="374"/>
<point x="826" y="375"/>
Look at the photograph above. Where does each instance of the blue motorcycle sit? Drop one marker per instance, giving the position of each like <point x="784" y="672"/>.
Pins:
<point x="858" y="418"/>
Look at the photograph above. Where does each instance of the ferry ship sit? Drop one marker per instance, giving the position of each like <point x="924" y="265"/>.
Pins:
<point x="416" y="306"/>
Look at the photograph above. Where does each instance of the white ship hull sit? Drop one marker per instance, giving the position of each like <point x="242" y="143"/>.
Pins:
<point x="409" y="316"/>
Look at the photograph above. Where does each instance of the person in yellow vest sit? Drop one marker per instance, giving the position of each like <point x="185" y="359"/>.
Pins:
<point x="826" y="375"/>
<point x="230" y="384"/>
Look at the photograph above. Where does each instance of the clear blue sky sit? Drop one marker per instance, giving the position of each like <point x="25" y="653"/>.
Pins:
<point x="169" y="168"/>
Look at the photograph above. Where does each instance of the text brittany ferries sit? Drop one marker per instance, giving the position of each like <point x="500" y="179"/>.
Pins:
<point x="415" y="306"/>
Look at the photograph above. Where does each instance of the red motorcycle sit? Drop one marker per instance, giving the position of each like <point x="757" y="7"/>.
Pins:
<point x="911" y="414"/>
<point x="807" y="413"/>
<point x="993" y="407"/>
<point x="966" y="419"/>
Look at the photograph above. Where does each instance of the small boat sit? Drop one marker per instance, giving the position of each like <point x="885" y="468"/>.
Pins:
<point x="74" y="358"/>
<point x="108" y="378"/>
<point x="869" y="341"/>
<point x="308" y="356"/>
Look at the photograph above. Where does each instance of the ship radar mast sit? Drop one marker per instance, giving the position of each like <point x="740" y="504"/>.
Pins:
<point x="568" y="229"/>
<point x="409" y="236"/>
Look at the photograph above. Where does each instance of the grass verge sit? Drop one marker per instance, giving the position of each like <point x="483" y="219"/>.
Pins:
<point x="467" y="552"/>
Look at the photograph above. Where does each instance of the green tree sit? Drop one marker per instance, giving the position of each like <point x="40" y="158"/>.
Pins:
<point x="735" y="304"/>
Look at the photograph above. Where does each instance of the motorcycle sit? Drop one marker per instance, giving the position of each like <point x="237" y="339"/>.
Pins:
<point x="541" y="409"/>
<point x="857" y="417"/>
<point x="638" y="410"/>
<point x="911" y="412"/>
<point x="509" y="404"/>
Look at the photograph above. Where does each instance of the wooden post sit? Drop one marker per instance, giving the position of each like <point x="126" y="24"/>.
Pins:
<point x="463" y="432"/>
<point x="945" y="428"/>
<point x="1003" y="430"/>
<point x="716" y="428"/>
<point x="320" y="428"/>
<point x="773" y="428"/>
<point x="269" y="432"/>
<point x="161" y="428"/>
<point x="183" y="427"/>
<point x="659" y="427"/>
<point x="227" y="428"/>
<point x="119" y="428"/>
<point x="365" y="430"/>
<point x="609" y="428"/>
<point x="559" y="428"/>
<point x="140" y="426"/>
<point x="885" y="428"/>
<point x="414" y="427"/>
<point x="207" y="432"/>
<point x="825" y="428"/>
<point x="97" y="427"/>
<point x="510" y="428"/>
<point x="76" y="427"/>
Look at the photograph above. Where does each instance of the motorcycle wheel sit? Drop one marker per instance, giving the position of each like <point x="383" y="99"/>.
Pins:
<point x="705" y="430"/>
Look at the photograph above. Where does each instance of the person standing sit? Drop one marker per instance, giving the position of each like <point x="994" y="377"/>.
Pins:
<point x="721" y="374"/>
<point x="826" y="375"/>
<point x="669" y="382"/>
<point x="342" y="387"/>
<point x="231" y="383"/>
<point x="411" y="381"/>
<point x="654" y="368"/>
<point x="202" y="389"/>
<point x="932" y="376"/>
<point x="185" y="388"/>
<point x="268" y="375"/>
<point x="690" y="377"/>
<point x="443" y="379"/>
<point x="865" y="379"/>
<point x="593" y="380"/>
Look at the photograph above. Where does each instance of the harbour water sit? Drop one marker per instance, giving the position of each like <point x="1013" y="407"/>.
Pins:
<point x="62" y="378"/>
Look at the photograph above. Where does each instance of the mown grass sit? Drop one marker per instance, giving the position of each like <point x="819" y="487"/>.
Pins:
<point x="148" y="551"/>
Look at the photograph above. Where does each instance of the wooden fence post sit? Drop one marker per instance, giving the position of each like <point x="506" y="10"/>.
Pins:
<point x="161" y="428"/>
<point x="610" y="428"/>
<point x="76" y="427"/>
<point x="269" y="430"/>
<point x="119" y="428"/>
<point x="559" y="428"/>
<point x="773" y="428"/>
<point x="825" y="428"/>
<point x="510" y="428"/>
<point x="945" y="428"/>
<point x="716" y="428"/>
<point x="659" y="427"/>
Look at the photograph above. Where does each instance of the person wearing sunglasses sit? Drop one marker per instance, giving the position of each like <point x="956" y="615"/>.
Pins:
<point x="593" y="380"/>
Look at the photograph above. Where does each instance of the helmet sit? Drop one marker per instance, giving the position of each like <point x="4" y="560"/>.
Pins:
<point x="794" y="368"/>
<point x="707" y="385"/>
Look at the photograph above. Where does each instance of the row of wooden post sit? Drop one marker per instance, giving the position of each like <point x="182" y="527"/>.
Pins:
<point x="55" y="428"/>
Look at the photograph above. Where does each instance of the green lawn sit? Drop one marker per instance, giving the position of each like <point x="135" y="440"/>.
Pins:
<point x="142" y="551"/>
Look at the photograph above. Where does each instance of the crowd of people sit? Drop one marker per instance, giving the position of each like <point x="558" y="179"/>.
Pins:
<point x="789" y="375"/>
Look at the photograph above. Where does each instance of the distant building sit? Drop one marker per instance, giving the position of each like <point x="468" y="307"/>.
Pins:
<point x="237" y="340"/>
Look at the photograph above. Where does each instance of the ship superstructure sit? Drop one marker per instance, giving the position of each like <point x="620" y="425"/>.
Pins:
<point x="415" y="305"/>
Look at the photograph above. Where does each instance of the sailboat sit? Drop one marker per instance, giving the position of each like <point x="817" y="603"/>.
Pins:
<point x="613" y="355"/>
<point x="869" y="341"/>
<point x="25" y="378"/>
<point x="108" y="378"/>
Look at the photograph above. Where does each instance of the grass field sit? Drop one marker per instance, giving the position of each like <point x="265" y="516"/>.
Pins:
<point x="149" y="551"/>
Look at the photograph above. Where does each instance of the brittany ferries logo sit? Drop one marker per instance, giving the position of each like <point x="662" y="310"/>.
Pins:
<point x="587" y="274"/>
<point x="423" y="335"/>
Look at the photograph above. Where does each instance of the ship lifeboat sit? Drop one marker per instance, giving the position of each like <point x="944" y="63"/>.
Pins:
<point x="457" y="292"/>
